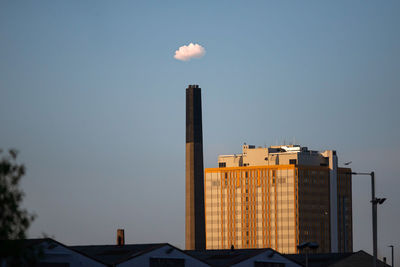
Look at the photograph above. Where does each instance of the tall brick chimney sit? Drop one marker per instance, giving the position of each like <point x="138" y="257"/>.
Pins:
<point x="195" y="219"/>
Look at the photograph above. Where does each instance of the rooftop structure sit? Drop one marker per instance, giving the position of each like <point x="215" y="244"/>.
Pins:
<point x="274" y="155"/>
<point x="278" y="197"/>
<point x="244" y="257"/>
<point x="49" y="252"/>
<point x="348" y="259"/>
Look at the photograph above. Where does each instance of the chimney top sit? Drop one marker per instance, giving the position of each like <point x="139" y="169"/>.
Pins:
<point x="120" y="237"/>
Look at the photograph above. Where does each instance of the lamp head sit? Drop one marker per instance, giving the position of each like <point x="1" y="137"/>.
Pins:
<point x="381" y="200"/>
<point x="311" y="245"/>
<point x="377" y="201"/>
<point x="302" y="245"/>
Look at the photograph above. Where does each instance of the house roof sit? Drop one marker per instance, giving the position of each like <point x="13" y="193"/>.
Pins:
<point x="349" y="259"/>
<point x="318" y="259"/>
<point x="15" y="245"/>
<point x="359" y="258"/>
<point x="226" y="257"/>
<point x="114" y="254"/>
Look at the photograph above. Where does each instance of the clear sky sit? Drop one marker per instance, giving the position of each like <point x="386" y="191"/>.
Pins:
<point x="91" y="95"/>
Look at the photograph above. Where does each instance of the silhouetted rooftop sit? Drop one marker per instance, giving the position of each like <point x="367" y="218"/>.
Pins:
<point x="350" y="259"/>
<point x="225" y="257"/>
<point x="318" y="260"/>
<point x="112" y="254"/>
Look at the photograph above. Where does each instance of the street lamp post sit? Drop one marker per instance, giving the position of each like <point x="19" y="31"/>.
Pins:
<point x="391" y="246"/>
<point x="310" y="245"/>
<point x="374" y="201"/>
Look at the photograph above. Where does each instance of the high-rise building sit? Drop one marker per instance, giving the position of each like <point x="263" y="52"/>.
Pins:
<point x="279" y="197"/>
<point x="194" y="224"/>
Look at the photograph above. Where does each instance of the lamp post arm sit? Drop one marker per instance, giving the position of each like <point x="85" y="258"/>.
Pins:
<point x="362" y="173"/>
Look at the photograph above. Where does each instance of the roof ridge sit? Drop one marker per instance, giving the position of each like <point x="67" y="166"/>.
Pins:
<point x="115" y="245"/>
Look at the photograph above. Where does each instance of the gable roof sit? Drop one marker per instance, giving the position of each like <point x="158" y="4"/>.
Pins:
<point x="35" y="242"/>
<point x="359" y="258"/>
<point x="318" y="259"/>
<point x="226" y="257"/>
<point x="114" y="254"/>
<point x="348" y="259"/>
<point x="26" y="243"/>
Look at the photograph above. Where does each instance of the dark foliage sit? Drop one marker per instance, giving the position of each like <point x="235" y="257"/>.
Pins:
<point x="14" y="221"/>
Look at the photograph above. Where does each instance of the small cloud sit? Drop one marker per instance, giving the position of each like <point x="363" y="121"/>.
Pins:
<point x="187" y="52"/>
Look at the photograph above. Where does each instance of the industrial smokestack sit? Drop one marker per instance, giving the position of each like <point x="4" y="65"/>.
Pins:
<point x="120" y="237"/>
<point x="195" y="219"/>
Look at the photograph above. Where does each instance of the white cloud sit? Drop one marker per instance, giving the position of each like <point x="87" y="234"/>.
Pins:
<point x="187" y="52"/>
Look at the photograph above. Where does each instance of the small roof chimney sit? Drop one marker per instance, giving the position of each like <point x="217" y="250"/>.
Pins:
<point x="120" y="237"/>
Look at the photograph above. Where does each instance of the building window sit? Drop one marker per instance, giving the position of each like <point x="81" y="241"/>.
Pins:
<point x="222" y="164"/>
<point x="166" y="262"/>
<point x="292" y="161"/>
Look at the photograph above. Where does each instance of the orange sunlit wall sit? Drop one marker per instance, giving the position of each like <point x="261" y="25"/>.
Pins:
<point x="276" y="206"/>
<point x="252" y="207"/>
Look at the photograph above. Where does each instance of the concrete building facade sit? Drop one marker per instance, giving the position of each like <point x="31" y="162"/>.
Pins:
<point x="278" y="197"/>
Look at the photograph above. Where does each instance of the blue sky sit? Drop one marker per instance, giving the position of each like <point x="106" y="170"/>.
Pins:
<point x="92" y="97"/>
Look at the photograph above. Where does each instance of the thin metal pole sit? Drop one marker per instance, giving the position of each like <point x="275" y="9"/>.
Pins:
<point x="374" y="220"/>
<point x="344" y="224"/>
<point x="391" y="246"/>
<point x="374" y="204"/>
<point x="392" y="257"/>
<point x="306" y="258"/>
